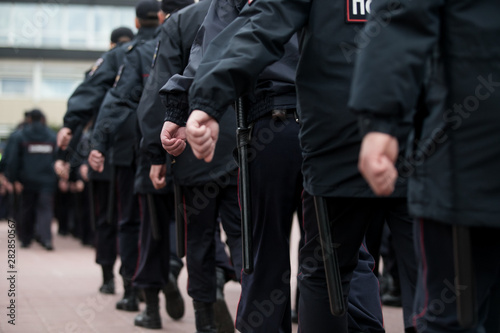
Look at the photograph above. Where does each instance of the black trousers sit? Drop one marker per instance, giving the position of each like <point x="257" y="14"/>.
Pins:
<point x="155" y="250"/>
<point x="62" y="210"/>
<point x="276" y="186"/>
<point x="105" y="231"/>
<point x="436" y="307"/>
<point x="349" y="218"/>
<point x="401" y="226"/>
<point x="203" y="208"/>
<point x="37" y="211"/>
<point x="82" y="216"/>
<point x="129" y="221"/>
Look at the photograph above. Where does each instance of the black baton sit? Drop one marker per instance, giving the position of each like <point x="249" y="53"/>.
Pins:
<point x="332" y="270"/>
<point x="155" y="230"/>
<point x="242" y="137"/>
<point x="111" y="194"/>
<point x="464" y="272"/>
<point x="180" y="230"/>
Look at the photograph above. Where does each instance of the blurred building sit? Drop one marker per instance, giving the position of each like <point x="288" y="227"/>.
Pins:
<point x="45" y="48"/>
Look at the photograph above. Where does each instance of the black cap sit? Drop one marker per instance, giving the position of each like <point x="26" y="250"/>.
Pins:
<point x="121" y="32"/>
<point x="170" y="6"/>
<point x="36" y="115"/>
<point x="147" y="9"/>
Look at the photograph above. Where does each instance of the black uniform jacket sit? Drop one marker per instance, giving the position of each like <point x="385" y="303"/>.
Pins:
<point x="32" y="158"/>
<point x="171" y="57"/>
<point x="456" y="159"/>
<point x="274" y="90"/>
<point x="85" y="101"/>
<point x="329" y="136"/>
<point x="187" y="169"/>
<point x="116" y="124"/>
<point x="8" y="149"/>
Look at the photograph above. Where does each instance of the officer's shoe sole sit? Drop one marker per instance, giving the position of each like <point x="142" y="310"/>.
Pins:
<point x="223" y="319"/>
<point x="173" y="298"/>
<point x="151" y="322"/>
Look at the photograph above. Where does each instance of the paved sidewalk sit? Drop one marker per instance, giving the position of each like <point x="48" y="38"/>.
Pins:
<point x="57" y="292"/>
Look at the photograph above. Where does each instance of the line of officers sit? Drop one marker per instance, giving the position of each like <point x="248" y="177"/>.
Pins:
<point x="159" y="115"/>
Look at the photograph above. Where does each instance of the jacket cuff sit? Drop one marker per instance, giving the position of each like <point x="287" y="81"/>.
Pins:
<point x="199" y="104"/>
<point x="71" y="126"/>
<point x="369" y="123"/>
<point x="177" y="108"/>
<point x="158" y="159"/>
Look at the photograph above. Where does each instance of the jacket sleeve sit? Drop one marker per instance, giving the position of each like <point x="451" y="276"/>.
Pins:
<point x="407" y="35"/>
<point x="235" y="58"/>
<point x="175" y="92"/>
<point x="14" y="163"/>
<point x="170" y="59"/>
<point x="120" y="102"/>
<point x="88" y="96"/>
<point x="7" y="153"/>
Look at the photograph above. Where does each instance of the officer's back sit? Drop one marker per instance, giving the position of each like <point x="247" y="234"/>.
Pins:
<point x="33" y="163"/>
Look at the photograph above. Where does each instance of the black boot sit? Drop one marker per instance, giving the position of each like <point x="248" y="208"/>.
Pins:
<point x="173" y="297"/>
<point x="223" y="319"/>
<point x="129" y="302"/>
<point x="108" y="284"/>
<point x="204" y="317"/>
<point x="150" y="317"/>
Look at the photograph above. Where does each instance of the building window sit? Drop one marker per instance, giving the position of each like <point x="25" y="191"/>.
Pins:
<point x="58" y="88"/>
<point x="61" y="26"/>
<point x="15" y="86"/>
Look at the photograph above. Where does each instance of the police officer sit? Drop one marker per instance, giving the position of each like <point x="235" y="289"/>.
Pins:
<point x="82" y="107"/>
<point x="273" y="204"/>
<point x="121" y="158"/>
<point x="171" y="57"/>
<point x="454" y="184"/>
<point x="209" y="193"/>
<point x="276" y="187"/>
<point x="328" y="134"/>
<point x="30" y="168"/>
<point x="119" y="112"/>
<point x="13" y="196"/>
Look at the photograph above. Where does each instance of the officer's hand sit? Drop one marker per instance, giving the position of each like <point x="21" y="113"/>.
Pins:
<point x="77" y="187"/>
<point x="63" y="185"/>
<point x="4" y="182"/>
<point x="84" y="172"/>
<point x="376" y="162"/>
<point x="202" y="132"/>
<point x="96" y="160"/>
<point x="173" y="138"/>
<point x="18" y="187"/>
<point x="64" y="137"/>
<point x="157" y="174"/>
<point x="61" y="169"/>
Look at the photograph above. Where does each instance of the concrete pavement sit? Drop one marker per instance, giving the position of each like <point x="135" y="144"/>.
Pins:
<point x="57" y="292"/>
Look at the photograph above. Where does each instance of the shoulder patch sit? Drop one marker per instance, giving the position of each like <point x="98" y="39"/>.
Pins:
<point x="96" y="66"/>
<point x="118" y="75"/>
<point x="357" y="10"/>
<point x="155" y="55"/>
